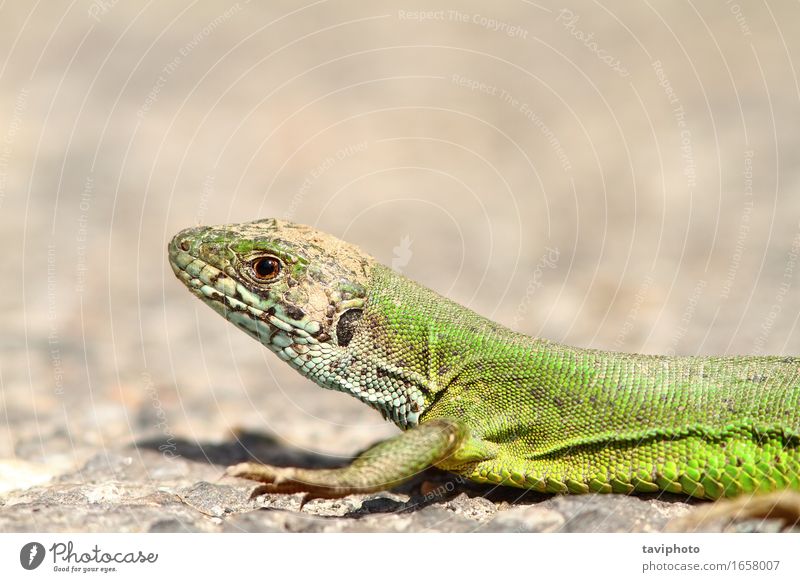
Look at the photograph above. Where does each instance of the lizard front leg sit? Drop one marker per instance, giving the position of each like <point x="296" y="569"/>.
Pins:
<point x="380" y="467"/>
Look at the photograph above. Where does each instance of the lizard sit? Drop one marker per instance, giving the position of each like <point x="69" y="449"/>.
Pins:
<point x="474" y="397"/>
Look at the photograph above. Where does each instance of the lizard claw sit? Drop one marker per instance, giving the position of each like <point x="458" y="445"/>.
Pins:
<point x="273" y="479"/>
<point x="260" y="490"/>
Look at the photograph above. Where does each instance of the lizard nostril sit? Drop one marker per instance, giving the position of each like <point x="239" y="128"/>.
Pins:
<point x="184" y="245"/>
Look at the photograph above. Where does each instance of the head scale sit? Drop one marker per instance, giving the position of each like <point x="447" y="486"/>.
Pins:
<point x="271" y="269"/>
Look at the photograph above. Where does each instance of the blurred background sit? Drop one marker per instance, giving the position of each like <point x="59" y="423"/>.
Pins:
<point x="614" y="175"/>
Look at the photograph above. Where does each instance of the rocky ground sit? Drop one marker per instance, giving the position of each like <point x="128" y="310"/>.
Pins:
<point x="614" y="176"/>
<point x="140" y="489"/>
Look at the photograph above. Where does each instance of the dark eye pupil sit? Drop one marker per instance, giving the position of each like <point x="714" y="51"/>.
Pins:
<point x="266" y="268"/>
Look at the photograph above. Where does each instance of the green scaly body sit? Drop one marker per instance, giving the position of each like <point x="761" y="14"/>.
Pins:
<point x="483" y="401"/>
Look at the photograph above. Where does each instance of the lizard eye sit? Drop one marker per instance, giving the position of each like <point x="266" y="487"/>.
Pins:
<point x="265" y="268"/>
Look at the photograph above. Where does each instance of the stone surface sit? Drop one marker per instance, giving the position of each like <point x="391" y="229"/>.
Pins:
<point x="146" y="491"/>
<point x="143" y="490"/>
<point x="654" y="211"/>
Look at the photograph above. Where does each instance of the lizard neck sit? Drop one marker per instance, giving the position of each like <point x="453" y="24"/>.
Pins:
<point x="411" y="344"/>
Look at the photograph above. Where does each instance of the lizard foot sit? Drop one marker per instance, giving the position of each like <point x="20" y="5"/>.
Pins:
<point x="273" y="479"/>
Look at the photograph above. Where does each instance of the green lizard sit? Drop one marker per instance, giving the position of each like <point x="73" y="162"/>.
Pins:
<point x="480" y="400"/>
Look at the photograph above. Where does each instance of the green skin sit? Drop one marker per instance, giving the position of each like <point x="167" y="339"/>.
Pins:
<point x="480" y="400"/>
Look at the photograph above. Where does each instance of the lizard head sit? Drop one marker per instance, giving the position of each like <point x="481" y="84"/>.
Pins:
<point x="301" y="293"/>
<point x="295" y="289"/>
